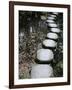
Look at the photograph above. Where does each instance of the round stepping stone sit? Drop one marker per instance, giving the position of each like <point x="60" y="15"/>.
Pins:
<point x="41" y="71"/>
<point x="45" y="55"/>
<point x="49" y="43"/>
<point x="52" y="36"/>
<point x="51" y="18"/>
<point x="56" y="30"/>
<point x="53" y="25"/>
<point x="50" y="21"/>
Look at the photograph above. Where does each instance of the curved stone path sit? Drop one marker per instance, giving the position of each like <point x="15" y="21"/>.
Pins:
<point x="46" y="54"/>
<point x="39" y="49"/>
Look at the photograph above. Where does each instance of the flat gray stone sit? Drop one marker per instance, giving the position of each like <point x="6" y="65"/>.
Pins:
<point x="43" y="18"/>
<point x="50" y="18"/>
<point x="52" y="25"/>
<point x="49" y="43"/>
<point x="56" y="13"/>
<point x="52" y="35"/>
<point x="50" y="21"/>
<point x="57" y="30"/>
<point x="53" y="16"/>
<point x="41" y="71"/>
<point x="45" y="55"/>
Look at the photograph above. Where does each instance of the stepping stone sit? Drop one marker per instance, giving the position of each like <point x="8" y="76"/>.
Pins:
<point x="50" y="21"/>
<point x="52" y="25"/>
<point x="45" y="55"/>
<point x="56" y="30"/>
<point x="56" y="13"/>
<point x="53" y="16"/>
<point x="52" y="36"/>
<point x="49" y="43"/>
<point x="41" y="71"/>
<point x="50" y="18"/>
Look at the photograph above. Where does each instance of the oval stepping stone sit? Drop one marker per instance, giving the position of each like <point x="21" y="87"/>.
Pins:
<point x="51" y="18"/>
<point x="41" y="71"/>
<point x="49" y="43"/>
<point x="56" y="13"/>
<point x="45" y="55"/>
<point x="50" y="21"/>
<point x="57" y="30"/>
<point x="52" y="36"/>
<point x="52" y="25"/>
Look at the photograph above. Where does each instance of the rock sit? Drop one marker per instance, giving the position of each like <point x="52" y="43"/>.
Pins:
<point x="53" y="16"/>
<point x="52" y="35"/>
<point x="52" y="25"/>
<point x="45" y="55"/>
<point x="49" y="43"/>
<point x="57" y="30"/>
<point x="56" y="13"/>
<point x="50" y="21"/>
<point x="43" y="17"/>
<point x="50" y="18"/>
<point x="41" y="71"/>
